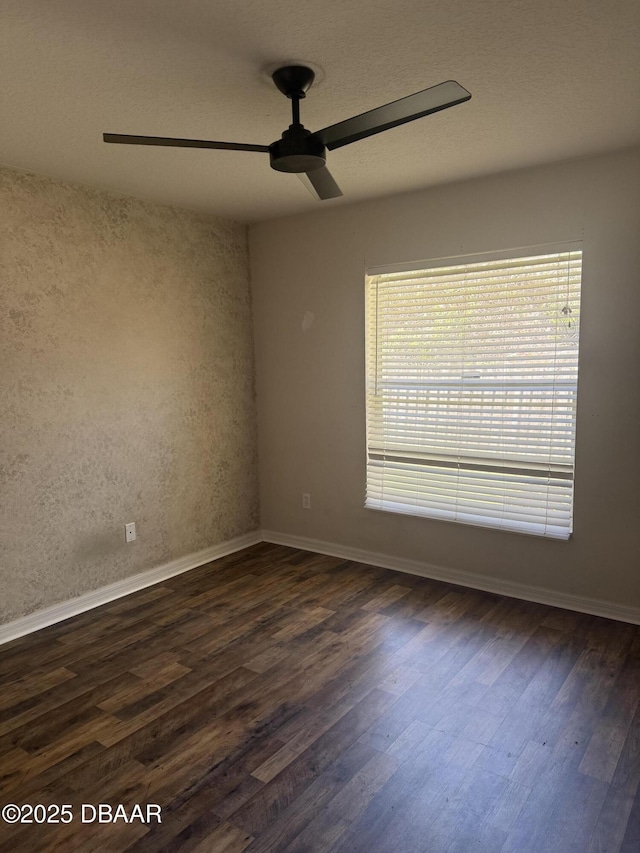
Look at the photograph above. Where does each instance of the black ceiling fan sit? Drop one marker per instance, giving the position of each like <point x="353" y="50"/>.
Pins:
<point x="303" y="152"/>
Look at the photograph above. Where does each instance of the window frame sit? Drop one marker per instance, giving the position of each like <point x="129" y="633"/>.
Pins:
<point x="550" y="249"/>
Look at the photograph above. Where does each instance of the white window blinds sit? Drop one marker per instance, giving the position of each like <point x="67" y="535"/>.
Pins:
<point x="471" y="392"/>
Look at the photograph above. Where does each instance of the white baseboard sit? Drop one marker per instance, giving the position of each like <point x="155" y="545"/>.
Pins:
<point x="72" y="607"/>
<point x="66" y="609"/>
<point x="513" y="589"/>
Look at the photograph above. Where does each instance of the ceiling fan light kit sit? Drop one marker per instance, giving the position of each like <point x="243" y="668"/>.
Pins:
<point x="301" y="152"/>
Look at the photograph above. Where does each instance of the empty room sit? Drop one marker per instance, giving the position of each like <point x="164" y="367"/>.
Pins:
<point x="320" y="426"/>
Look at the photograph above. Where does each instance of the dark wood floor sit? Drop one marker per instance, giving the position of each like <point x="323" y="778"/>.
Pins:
<point x="279" y="700"/>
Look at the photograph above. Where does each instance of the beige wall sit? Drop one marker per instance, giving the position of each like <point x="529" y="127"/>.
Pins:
<point x="126" y="388"/>
<point x="311" y="382"/>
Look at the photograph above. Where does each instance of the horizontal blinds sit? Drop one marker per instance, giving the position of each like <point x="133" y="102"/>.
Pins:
<point x="471" y="392"/>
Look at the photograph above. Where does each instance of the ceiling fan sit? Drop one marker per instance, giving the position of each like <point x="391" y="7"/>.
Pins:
<point x="304" y="153"/>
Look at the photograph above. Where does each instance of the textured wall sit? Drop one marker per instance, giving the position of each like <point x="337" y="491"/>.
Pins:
<point x="308" y="292"/>
<point x="126" y="388"/>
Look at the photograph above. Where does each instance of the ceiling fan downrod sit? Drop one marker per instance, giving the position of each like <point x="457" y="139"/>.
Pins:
<point x="298" y="150"/>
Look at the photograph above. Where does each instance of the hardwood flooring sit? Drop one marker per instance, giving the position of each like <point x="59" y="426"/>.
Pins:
<point x="279" y="700"/>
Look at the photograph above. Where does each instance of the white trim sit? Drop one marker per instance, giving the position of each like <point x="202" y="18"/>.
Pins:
<point x="72" y="607"/>
<point x="513" y="589"/>
<point x="89" y="600"/>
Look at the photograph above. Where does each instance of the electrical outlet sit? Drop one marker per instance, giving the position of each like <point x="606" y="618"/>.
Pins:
<point x="130" y="531"/>
<point x="306" y="500"/>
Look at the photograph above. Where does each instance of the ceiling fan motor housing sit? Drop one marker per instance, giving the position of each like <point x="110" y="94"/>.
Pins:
<point x="297" y="151"/>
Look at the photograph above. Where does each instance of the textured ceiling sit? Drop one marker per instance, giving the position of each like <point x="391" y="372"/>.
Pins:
<point x="550" y="80"/>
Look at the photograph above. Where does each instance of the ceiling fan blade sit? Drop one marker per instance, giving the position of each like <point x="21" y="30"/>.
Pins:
<point x="423" y="103"/>
<point x="125" y="139"/>
<point x="320" y="184"/>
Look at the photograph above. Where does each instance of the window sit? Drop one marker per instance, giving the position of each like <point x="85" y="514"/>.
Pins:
<point x="472" y="375"/>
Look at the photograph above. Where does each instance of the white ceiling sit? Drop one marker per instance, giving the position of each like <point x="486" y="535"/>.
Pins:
<point x="550" y="80"/>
